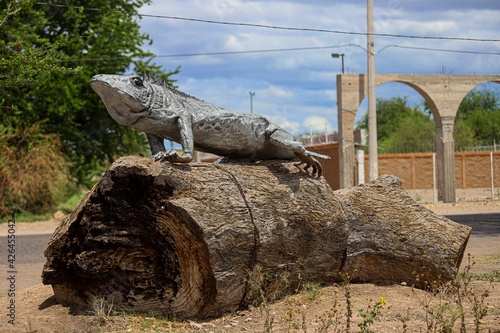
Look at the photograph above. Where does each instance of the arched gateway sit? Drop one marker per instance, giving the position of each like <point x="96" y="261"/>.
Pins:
<point x="443" y="94"/>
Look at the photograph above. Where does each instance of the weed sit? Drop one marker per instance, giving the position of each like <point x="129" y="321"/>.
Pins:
<point x="25" y="216"/>
<point x="404" y="320"/>
<point x="101" y="311"/>
<point x="312" y="290"/>
<point x="331" y="318"/>
<point x="489" y="259"/>
<point x="446" y="303"/>
<point x="264" y="288"/>
<point x="477" y="301"/>
<point x="309" y="290"/>
<point x="346" y="284"/>
<point x="441" y="311"/>
<point x="295" y="317"/>
<point x="370" y="314"/>
<point x="489" y="277"/>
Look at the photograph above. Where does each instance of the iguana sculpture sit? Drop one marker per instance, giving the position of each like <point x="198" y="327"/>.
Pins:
<point x="162" y="112"/>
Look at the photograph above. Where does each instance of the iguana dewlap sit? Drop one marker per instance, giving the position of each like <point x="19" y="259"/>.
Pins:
<point x="163" y="112"/>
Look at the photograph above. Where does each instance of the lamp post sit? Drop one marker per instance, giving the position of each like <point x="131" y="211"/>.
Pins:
<point x="252" y="94"/>
<point x="339" y="55"/>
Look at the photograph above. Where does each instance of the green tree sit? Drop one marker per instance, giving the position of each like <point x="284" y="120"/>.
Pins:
<point x="401" y="127"/>
<point x="26" y="58"/>
<point x="478" y="119"/>
<point x="485" y="126"/>
<point x="83" y="37"/>
<point x="389" y="112"/>
<point x="34" y="172"/>
<point x="416" y="133"/>
<point x="478" y="99"/>
<point x="462" y="135"/>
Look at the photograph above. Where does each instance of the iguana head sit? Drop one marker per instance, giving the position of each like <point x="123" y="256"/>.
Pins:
<point x="127" y="98"/>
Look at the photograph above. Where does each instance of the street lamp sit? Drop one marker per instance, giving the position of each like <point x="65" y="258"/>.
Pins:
<point x="252" y="94"/>
<point x="339" y="55"/>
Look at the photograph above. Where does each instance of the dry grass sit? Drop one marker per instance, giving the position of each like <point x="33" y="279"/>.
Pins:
<point x="34" y="173"/>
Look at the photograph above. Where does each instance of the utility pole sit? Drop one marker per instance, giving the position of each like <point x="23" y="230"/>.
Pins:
<point x="252" y="94"/>
<point x="372" y="100"/>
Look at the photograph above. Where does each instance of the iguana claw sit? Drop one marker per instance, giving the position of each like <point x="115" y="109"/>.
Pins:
<point x="172" y="156"/>
<point x="310" y="161"/>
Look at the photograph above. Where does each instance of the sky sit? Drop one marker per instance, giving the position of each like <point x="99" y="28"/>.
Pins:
<point x="296" y="89"/>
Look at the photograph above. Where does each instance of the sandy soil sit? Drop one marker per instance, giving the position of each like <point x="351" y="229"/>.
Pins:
<point x="308" y="311"/>
<point x="465" y="208"/>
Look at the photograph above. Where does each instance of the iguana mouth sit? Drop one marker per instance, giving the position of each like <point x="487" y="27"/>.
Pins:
<point x="120" y="105"/>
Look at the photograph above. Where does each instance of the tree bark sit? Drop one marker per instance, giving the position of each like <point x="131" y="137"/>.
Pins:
<point x="191" y="240"/>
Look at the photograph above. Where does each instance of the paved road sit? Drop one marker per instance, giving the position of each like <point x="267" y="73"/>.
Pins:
<point x="29" y="249"/>
<point x="29" y="261"/>
<point x="482" y="224"/>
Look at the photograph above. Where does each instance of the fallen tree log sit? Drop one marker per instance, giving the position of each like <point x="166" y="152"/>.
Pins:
<point x="189" y="240"/>
<point x="392" y="238"/>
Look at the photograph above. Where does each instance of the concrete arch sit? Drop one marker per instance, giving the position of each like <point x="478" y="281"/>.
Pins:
<point x="443" y="93"/>
<point x="422" y="93"/>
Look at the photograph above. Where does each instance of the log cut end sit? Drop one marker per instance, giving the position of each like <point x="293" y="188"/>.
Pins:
<point x="125" y="242"/>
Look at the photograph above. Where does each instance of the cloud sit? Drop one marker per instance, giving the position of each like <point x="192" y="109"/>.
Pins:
<point x="292" y="127"/>
<point x="317" y="124"/>
<point x="276" y="91"/>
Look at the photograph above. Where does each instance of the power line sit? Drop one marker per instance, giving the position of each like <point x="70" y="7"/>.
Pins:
<point x="276" y="27"/>
<point x="179" y="55"/>
<point x="437" y="50"/>
<point x="252" y="51"/>
<point x="470" y="39"/>
<point x="215" y="53"/>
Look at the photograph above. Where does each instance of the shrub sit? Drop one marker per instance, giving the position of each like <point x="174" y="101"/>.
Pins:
<point x="34" y="173"/>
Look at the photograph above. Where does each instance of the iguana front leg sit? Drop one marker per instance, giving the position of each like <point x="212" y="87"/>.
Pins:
<point x="187" y="141"/>
<point x="186" y="133"/>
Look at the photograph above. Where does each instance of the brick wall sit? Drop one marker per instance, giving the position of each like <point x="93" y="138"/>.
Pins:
<point x="472" y="169"/>
<point x="330" y="167"/>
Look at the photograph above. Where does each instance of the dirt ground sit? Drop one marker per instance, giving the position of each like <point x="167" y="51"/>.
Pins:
<point x="313" y="309"/>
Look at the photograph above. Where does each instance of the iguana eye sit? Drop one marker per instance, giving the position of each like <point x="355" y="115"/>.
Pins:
<point x="137" y="81"/>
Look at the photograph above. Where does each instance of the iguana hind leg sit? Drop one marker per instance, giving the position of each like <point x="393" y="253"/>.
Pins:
<point x="285" y="140"/>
